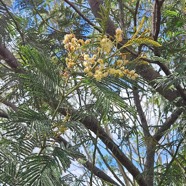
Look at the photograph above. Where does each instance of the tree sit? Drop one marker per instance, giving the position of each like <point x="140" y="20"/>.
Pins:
<point x="95" y="84"/>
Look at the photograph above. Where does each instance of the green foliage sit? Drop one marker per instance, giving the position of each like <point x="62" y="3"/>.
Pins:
<point x="45" y="105"/>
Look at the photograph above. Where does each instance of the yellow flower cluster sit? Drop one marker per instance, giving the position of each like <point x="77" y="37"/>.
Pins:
<point x="98" y="69"/>
<point x="106" y="44"/>
<point x="71" y="43"/>
<point x="98" y="62"/>
<point x="118" y="35"/>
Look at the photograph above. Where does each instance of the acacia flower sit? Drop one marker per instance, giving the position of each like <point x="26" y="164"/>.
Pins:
<point x="106" y="44"/>
<point x="118" y="35"/>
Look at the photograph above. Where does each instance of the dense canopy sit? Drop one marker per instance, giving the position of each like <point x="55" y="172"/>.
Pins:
<point x="92" y="92"/>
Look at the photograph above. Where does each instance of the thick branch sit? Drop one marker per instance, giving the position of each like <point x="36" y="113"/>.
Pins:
<point x="7" y="103"/>
<point x="168" y="123"/>
<point x="92" y="124"/>
<point x="9" y="58"/>
<point x="95" y="7"/>
<point x="96" y="171"/>
<point x="150" y="150"/>
<point x="3" y="115"/>
<point x="156" y="19"/>
<point x="149" y="164"/>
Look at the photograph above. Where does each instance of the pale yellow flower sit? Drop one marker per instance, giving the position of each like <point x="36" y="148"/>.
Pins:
<point x="85" y="63"/>
<point x="119" y="62"/>
<point x="105" y="74"/>
<point x="100" y="61"/>
<point x="118" y="35"/>
<point x="86" y="56"/>
<point x="89" y="73"/>
<point x="71" y="64"/>
<point x="112" y="71"/>
<point x="106" y="44"/>
<point x="97" y="77"/>
<point x="87" y="69"/>
<point x="81" y="41"/>
<point x="87" y="41"/>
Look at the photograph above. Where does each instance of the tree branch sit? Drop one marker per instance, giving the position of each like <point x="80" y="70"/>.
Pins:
<point x="7" y="103"/>
<point x="95" y="7"/>
<point x="150" y="146"/>
<point x="9" y="58"/>
<point x="141" y="113"/>
<point x="3" y="115"/>
<point x="167" y="124"/>
<point x="96" y="171"/>
<point x="156" y="19"/>
<point x="92" y="124"/>
<point x="85" y="18"/>
<point x="135" y="14"/>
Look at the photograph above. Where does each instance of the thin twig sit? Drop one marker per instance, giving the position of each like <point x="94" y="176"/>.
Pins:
<point x="14" y="21"/>
<point x="85" y="18"/>
<point x="167" y="124"/>
<point x="110" y="169"/>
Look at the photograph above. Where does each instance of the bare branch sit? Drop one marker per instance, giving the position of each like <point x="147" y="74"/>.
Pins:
<point x="136" y="12"/>
<point x="156" y="19"/>
<point x="92" y="124"/>
<point x="108" y="166"/>
<point x="96" y="171"/>
<point x="85" y="18"/>
<point x="122" y="22"/>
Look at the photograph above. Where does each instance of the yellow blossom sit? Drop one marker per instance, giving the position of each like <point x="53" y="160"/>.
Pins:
<point x="86" y="56"/>
<point x="133" y="77"/>
<point x="119" y="62"/>
<point x="106" y="44"/>
<point x="120" y="74"/>
<point x="90" y="73"/>
<point x="126" y="62"/>
<point x="71" y="64"/>
<point x="85" y="63"/>
<point x="91" y="60"/>
<point x="132" y="72"/>
<point x="112" y="71"/>
<point x="118" y="35"/>
<point x="81" y="41"/>
<point x="97" y="77"/>
<point x="100" y="61"/>
<point x="72" y="48"/>
<point x="87" y="41"/>
<point x="87" y="69"/>
<point x="105" y="74"/>
<point x="124" y="56"/>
